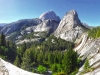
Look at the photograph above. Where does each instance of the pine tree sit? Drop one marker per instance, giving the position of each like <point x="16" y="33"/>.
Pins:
<point x="26" y="61"/>
<point x="98" y="33"/>
<point x="86" y="65"/>
<point x="54" y="67"/>
<point x="70" y="61"/>
<point x="17" y="61"/>
<point x="2" y="40"/>
<point x="24" y="47"/>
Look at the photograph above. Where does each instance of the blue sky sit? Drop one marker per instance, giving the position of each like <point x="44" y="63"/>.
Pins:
<point x="13" y="10"/>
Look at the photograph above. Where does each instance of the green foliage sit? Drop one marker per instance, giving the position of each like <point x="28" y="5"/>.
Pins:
<point x="74" y="72"/>
<point x="56" y="68"/>
<point x="98" y="33"/>
<point x="3" y="57"/>
<point x="53" y="53"/>
<point x="41" y="69"/>
<point x="26" y="61"/>
<point x="79" y="62"/>
<point x="17" y="61"/>
<point x="33" y="70"/>
<point x="87" y="67"/>
<point x="70" y="61"/>
<point x="7" y="49"/>
<point x="52" y="43"/>
<point x="86" y="64"/>
<point x="94" y="33"/>
<point x="2" y="40"/>
<point x="59" y="73"/>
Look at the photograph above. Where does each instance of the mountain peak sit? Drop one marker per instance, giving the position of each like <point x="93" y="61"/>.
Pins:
<point x="72" y="12"/>
<point x="49" y="15"/>
<point x="69" y="27"/>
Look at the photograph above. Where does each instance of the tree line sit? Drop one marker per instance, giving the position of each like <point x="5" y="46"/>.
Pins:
<point x="53" y="54"/>
<point x="94" y="32"/>
<point x="7" y="49"/>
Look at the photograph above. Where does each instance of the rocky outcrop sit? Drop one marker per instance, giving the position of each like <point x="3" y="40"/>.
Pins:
<point x="49" y="15"/>
<point x="47" y="22"/>
<point x="3" y="69"/>
<point x="28" y="30"/>
<point x="28" y="40"/>
<point x="89" y="48"/>
<point x="8" y="69"/>
<point x="70" y="27"/>
<point x="47" y="25"/>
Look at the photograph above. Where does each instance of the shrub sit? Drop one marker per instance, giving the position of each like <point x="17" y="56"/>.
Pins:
<point x="75" y="72"/>
<point x="86" y="65"/>
<point x="41" y="69"/>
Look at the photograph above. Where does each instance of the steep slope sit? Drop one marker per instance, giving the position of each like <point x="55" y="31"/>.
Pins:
<point x="1" y="27"/>
<point x="47" y="22"/>
<point x="36" y="33"/>
<point x="9" y="69"/>
<point x="49" y="15"/>
<point x="70" y="27"/>
<point x="19" y="25"/>
<point x="47" y="25"/>
<point x="3" y="24"/>
<point x="87" y="26"/>
<point x="89" y="48"/>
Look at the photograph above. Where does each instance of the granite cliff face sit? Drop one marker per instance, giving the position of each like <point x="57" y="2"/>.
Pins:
<point x="47" y="22"/>
<point x="49" y="15"/>
<point x="8" y="69"/>
<point x="89" y="48"/>
<point x="70" y="27"/>
<point x="47" y="25"/>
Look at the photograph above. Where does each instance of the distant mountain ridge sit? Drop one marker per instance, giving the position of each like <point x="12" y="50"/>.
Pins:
<point x="47" y="22"/>
<point x="3" y="24"/>
<point x="19" y="25"/>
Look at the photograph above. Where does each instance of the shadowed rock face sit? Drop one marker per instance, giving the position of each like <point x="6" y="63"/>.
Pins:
<point x="24" y="23"/>
<point x="19" y="25"/>
<point x="1" y="27"/>
<point x="45" y="26"/>
<point x="70" y="27"/>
